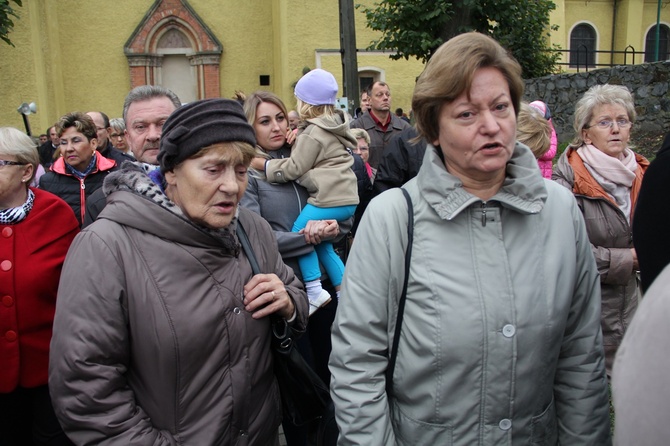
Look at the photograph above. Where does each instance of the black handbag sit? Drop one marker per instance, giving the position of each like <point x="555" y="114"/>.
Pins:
<point x="304" y="396"/>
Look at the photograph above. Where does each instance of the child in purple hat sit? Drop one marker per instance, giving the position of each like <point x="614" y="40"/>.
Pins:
<point x="321" y="163"/>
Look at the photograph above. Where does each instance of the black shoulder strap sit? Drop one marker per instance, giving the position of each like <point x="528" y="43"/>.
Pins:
<point x="403" y="296"/>
<point x="246" y="247"/>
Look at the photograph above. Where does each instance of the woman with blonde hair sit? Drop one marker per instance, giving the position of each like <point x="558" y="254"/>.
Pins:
<point x="36" y="230"/>
<point x="321" y="163"/>
<point x="605" y="176"/>
<point x="533" y="130"/>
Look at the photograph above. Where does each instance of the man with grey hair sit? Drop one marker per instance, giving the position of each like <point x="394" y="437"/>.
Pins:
<point x="105" y="147"/>
<point x="380" y="123"/>
<point x="145" y="110"/>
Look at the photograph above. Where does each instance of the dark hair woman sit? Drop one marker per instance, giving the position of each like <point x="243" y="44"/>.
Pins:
<point x="80" y="170"/>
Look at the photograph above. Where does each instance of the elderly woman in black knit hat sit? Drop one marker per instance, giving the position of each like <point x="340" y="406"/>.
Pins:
<point x="164" y="339"/>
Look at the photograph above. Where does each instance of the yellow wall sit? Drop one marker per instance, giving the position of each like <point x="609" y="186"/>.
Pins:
<point x="633" y="20"/>
<point x="69" y="53"/>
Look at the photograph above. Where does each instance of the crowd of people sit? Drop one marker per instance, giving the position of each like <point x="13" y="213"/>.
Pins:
<point x="453" y="279"/>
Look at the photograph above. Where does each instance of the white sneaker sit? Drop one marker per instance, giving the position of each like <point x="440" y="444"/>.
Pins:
<point x="321" y="301"/>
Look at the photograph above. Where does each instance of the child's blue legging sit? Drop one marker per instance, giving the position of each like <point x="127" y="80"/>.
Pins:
<point x="323" y="252"/>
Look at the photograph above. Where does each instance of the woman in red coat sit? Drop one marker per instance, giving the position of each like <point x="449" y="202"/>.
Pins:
<point x="36" y="229"/>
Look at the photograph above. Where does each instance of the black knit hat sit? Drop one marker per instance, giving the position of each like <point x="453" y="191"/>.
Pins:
<point x="199" y="124"/>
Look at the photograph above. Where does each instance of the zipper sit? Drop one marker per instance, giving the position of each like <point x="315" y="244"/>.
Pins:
<point x="82" y="200"/>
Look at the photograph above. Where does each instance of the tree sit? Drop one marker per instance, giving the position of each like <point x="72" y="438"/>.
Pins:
<point x="6" y="24"/>
<point x="418" y="27"/>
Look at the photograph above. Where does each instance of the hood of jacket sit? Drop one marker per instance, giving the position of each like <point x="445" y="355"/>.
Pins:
<point x="338" y="125"/>
<point x="523" y="189"/>
<point x="134" y="200"/>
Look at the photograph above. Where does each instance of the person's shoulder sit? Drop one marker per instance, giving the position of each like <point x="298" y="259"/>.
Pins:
<point x="398" y="123"/>
<point x="54" y="209"/>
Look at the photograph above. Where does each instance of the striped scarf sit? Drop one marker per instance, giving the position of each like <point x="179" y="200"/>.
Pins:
<point x="15" y="215"/>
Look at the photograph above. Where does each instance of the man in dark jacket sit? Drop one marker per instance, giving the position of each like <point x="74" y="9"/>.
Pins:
<point x="400" y="162"/>
<point x="380" y="123"/>
<point x="105" y="146"/>
<point x="145" y="110"/>
<point x="651" y="218"/>
<point x="49" y="148"/>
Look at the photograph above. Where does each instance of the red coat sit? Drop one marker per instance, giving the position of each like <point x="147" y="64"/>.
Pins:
<point x="31" y="257"/>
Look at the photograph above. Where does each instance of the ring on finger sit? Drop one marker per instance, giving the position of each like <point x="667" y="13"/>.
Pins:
<point x="274" y="297"/>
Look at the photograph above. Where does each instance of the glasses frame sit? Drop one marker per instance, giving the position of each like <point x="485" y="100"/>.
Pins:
<point x="11" y="163"/>
<point x="621" y="123"/>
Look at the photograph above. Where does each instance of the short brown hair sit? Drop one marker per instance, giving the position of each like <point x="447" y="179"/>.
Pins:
<point x="450" y="71"/>
<point x="80" y="121"/>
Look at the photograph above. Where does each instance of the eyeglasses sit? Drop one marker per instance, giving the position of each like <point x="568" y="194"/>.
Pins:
<point x="10" y="163"/>
<point x="608" y="124"/>
<point x="117" y="135"/>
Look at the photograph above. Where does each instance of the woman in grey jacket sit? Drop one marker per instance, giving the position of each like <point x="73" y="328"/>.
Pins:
<point x="500" y="342"/>
<point x="161" y="335"/>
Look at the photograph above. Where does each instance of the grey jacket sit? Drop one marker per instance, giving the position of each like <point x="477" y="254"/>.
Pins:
<point x="501" y="339"/>
<point x="640" y="376"/>
<point x="152" y="344"/>
<point x="321" y="163"/>
<point x="379" y="139"/>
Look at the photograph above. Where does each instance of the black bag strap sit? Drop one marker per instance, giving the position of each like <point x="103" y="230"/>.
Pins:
<point x="403" y="296"/>
<point x="246" y="247"/>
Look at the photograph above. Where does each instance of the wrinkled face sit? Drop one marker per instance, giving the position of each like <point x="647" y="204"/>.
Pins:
<point x="53" y="136"/>
<point x="118" y="139"/>
<point x="477" y="134"/>
<point x="270" y="126"/>
<point x="13" y="182"/>
<point x="208" y="189"/>
<point x="103" y="132"/>
<point x="362" y="149"/>
<point x="380" y="99"/>
<point x="144" y="126"/>
<point x="613" y="139"/>
<point x="76" y="149"/>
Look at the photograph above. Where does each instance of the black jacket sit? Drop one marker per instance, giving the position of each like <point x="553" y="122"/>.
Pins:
<point x="112" y="153"/>
<point x="60" y="182"/>
<point x="46" y="152"/>
<point x="400" y="162"/>
<point x="652" y="214"/>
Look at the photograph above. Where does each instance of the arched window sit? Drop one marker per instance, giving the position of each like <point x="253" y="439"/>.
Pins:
<point x="663" y="46"/>
<point x="583" y="46"/>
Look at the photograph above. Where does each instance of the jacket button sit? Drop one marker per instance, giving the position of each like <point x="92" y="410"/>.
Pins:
<point x="11" y="336"/>
<point x="6" y="265"/>
<point x="7" y="232"/>
<point x="7" y="301"/>
<point x="236" y="310"/>
<point x="505" y="424"/>
<point x="508" y="330"/>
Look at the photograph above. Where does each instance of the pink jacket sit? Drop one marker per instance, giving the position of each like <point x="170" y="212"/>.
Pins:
<point x="545" y="161"/>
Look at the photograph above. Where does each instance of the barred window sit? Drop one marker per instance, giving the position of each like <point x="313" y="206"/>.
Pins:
<point x="583" y="46"/>
<point x="663" y="47"/>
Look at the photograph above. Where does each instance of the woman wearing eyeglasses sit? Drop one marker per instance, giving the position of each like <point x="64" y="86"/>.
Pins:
<point x="81" y="169"/>
<point x="605" y="175"/>
<point x="36" y="229"/>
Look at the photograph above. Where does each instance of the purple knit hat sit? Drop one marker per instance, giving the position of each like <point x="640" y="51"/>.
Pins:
<point x="318" y="87"/>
